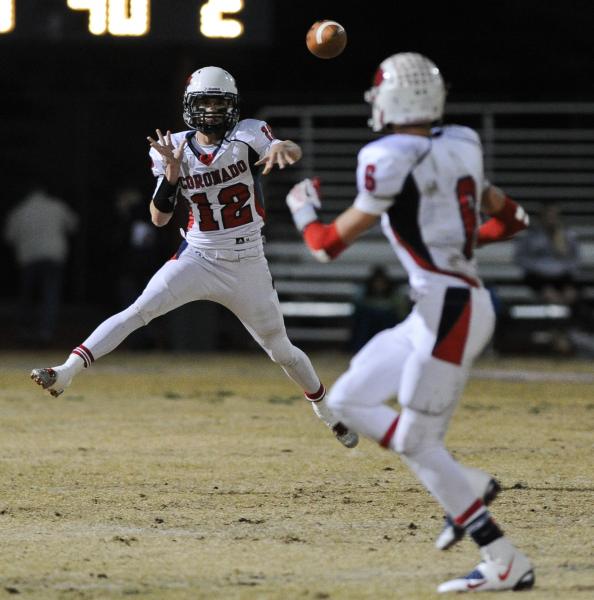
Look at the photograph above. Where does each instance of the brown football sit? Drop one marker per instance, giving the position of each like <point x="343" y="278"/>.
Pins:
<point x="326" y="39"/>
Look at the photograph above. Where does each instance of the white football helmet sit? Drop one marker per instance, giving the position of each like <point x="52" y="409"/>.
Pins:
<point x="211" y="82"/>
<point x="407" y="89"/>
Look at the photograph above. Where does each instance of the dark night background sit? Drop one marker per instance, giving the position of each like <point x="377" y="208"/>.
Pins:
<point x="76" y="109"/>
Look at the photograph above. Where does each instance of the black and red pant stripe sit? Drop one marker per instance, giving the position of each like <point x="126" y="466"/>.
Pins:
<point x="453" y="327"/>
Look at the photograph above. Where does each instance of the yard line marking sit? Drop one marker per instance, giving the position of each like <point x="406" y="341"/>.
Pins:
<point x="521" y="375"/>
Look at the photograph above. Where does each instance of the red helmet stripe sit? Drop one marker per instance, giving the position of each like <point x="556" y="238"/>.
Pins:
<point x="378" y="77"/>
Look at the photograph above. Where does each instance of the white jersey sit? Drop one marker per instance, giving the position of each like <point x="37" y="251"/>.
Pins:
<point x="222" y="187"/>
<point x="427" y="191"/>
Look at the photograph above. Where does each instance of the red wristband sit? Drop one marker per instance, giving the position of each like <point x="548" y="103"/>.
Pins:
<point x="321" y="237"/>
<point x="503" y="225"/>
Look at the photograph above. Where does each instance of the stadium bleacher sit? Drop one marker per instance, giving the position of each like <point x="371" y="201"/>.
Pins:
<point x="523" y="154"/>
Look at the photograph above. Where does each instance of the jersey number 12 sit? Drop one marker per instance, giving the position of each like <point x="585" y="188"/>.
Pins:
<point x="235" y="209"/>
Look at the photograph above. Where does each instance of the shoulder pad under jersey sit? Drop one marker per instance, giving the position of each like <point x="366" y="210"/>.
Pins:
<point x="247" y="129"/>
<point x="462" y="133"/>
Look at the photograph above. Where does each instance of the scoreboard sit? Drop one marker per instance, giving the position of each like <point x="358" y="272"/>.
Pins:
<point x="242" y="22"/>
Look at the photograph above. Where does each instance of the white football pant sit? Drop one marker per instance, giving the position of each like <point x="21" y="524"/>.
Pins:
<point x="240" y="280"/>
<point x="424" y="362"/>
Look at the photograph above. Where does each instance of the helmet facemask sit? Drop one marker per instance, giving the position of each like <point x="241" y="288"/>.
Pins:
<point x="211" y="101"/>
<point x="211" y="113"/>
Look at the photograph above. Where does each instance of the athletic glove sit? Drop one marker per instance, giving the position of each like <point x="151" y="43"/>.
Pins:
<point x="302" y="200"/>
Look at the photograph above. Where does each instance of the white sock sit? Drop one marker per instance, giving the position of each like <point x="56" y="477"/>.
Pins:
<point x="66" y="371"/>
<point x="74" y="363"/>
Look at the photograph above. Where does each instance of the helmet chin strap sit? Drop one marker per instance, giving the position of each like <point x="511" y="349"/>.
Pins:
<point x="218" y="129"/>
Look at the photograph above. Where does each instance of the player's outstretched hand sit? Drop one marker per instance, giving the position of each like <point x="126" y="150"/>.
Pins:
<point x="164" y="146"/>
<point x="172" y="156"/>
<point x="281" y="154"/>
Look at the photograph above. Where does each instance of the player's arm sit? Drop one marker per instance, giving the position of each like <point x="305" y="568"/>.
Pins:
<point x="163" y="202"/>
<point x="164" y="198"/>
<point x="325" y="241"/>
<point x="507" y="217"/>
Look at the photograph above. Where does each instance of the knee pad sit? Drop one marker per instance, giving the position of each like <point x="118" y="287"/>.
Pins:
<point x="153" y="306"/>
<point x="351" y="390"/>
<point x="143" y="312"/>
<point x="418" y="431"/>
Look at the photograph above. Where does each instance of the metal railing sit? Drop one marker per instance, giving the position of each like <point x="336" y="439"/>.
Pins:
<point x="535" y="151"/>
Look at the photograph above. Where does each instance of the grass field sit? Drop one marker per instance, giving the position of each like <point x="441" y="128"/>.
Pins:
<point x="207" y="476"/>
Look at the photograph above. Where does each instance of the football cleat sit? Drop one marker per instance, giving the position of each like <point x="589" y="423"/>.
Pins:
<point x="48" y="380"/>
<point x="452" y="533"/>
<point x="510" y="570"/>
<point x="345" y="436"/>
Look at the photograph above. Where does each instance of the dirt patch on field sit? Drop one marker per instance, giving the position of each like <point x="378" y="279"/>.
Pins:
<point x="211" y="479"/>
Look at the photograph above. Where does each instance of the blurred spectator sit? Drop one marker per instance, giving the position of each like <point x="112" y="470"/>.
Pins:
<point x="137" y="250"/>
<point x="380" y="305"/>
<point x="136" y="244"/>
<point x="549" y="254"/>
<point x="38" y="229"/>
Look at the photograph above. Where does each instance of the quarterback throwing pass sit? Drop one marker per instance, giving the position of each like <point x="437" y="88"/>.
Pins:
<point x="216" y="167"/>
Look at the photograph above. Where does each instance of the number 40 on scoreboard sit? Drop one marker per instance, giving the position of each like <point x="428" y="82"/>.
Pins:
<point x="133" y="17"/>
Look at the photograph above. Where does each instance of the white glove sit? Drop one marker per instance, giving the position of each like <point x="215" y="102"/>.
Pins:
<point x="302" y="200"/>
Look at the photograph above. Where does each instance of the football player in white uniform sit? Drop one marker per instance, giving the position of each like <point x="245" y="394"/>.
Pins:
<point x="427" y="185"/>
<point x="215" y="166"/>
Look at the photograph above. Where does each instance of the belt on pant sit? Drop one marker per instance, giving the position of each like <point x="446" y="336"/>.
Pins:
<point x="230" y="254"/>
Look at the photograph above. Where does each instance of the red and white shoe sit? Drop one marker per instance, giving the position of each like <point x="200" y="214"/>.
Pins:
<point x="52" y="380"/>
<point x="503" y="568"/>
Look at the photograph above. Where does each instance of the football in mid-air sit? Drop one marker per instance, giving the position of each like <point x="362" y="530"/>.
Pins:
<point x="326" y="39"/>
